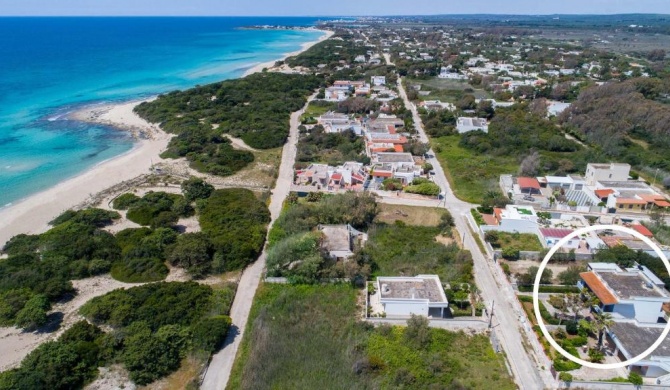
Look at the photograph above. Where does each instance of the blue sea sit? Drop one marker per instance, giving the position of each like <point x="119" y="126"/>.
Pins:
<point x="52" y="66"/>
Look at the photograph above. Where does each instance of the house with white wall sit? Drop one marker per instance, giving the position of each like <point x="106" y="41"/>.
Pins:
<point x="628" y="295"/>
<point x="606" y="172"/>
<point x="421" y="295"/>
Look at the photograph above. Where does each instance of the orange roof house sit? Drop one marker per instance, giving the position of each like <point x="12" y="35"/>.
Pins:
<point x="602" y="194"/>
<point x="598" y="287"/>
<point x="642" y="230"/>
<point x="528" y="182"/>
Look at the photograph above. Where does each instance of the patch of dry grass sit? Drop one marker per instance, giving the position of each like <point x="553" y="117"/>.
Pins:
<point x="410" y="215"/>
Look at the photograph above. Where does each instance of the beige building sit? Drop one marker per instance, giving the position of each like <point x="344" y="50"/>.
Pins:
<point x="606" y="172"/>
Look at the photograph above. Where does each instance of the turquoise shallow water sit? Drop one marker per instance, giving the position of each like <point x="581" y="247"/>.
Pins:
<point x="51" y="66"/>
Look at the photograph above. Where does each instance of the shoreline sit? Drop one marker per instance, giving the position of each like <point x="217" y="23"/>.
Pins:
<point x="304" y="47"/>
<point x="32" y="214"/>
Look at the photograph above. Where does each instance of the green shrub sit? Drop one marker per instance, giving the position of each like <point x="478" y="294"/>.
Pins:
<point x="34" y="313"/>
<point x="550" y="289"/>
<point x="236" y="223"/>
<point x="565" y="377"/>
<point x="91" y="217"/>
<point x="125" y="201"/>
<point x="635" y="379"/>
<point x="139" y="270"/>
<point x="479" y="220"/>
<point x="572" y="327"/>
<point x="392" y="185"/>
<point x="159" y="209"/>
<point x="297" y="257"/>
<point x="428" y="189"/>
<point x="209" y="333"/>
<point x="193" y="252"/>
<point x="196" y="188"/>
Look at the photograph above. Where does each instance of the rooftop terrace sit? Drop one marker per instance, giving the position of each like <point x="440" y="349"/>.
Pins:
<point x="628" y="285"/>
<point x="420" y="287"/>
<point x="636" y="339"/>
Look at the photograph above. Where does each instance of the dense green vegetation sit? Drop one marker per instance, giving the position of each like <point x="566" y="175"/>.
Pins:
<point x="395" y="250"/>
<point x="639" y="116"/>
<point x="419" y="357"/>
<point x="295" y="249"/>
<point x="39" y="267"/>
<point x="67" y="363"/>
<point x="153" y="327"/>
<point x="155" y="209"/>
<point x="156" y="325"/>
<point x="358" y="210"/>
<point x="518" y="142"/>
<point x="625" y="258"/>
<point x="256" y="109"/>
<point x="307" y="336"/>
<point x="144" y="252"/>
<point x="329" y="52"/>
<point x="235" y="222"/>
<point x="298" y="257"/>
<point x="423" y="186"/>
<point x="330" y="148"/>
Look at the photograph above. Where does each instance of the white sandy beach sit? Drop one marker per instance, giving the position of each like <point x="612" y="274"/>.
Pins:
<point x="32" y="214"/>
<point x="305" y="46"/>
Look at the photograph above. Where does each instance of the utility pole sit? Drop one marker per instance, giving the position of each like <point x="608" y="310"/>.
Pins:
<point x="655" y="175"/>
<point x="491" y="315"/>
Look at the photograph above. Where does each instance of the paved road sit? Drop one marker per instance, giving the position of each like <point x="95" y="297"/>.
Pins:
<point x="218" y="372"/>
<point x="509" y="323"/>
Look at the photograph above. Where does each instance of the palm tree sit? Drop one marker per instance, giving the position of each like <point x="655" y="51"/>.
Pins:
<point x="602" y="321"/>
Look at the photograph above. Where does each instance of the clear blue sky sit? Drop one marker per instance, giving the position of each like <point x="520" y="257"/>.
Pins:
<point x="326" y="8"/>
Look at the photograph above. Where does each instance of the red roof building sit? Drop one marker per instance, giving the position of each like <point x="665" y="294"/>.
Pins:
<point x="528" y="185"/>
<point x="642" y="230"/>
<point x="602" y="194"/>
<point x="599" y="289"/>
<point x="555" y="233"/>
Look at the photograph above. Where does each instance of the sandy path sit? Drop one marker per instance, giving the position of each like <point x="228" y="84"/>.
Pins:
<point x="33" y="214"/>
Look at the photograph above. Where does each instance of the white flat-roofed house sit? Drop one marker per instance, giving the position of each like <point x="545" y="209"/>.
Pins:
<point x="465" y="125"/>
<point x="421" y="295"/>
<point x="606" y="172"/>
<point x="378" y="80"/>
<point x="333" y="122"/>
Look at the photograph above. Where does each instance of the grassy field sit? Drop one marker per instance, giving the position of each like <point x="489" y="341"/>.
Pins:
<point x="522" y="242"/>
<point x="469" y="174"/>
<point x="410" y="215"/>
<point x="413" y="250"/>
<point x="300" y="337"/>
<point x="314" y="111"/>
<point x="448" y="90"/>
<point x="449" y="361"/>
<point x="306" y="337"/>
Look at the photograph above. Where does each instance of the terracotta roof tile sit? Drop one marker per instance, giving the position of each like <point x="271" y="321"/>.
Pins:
<point x="598" y="288"/>
<point x="642" y="230"/>
<point x="601" y="194"/>
<point x="528" y="182"/>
